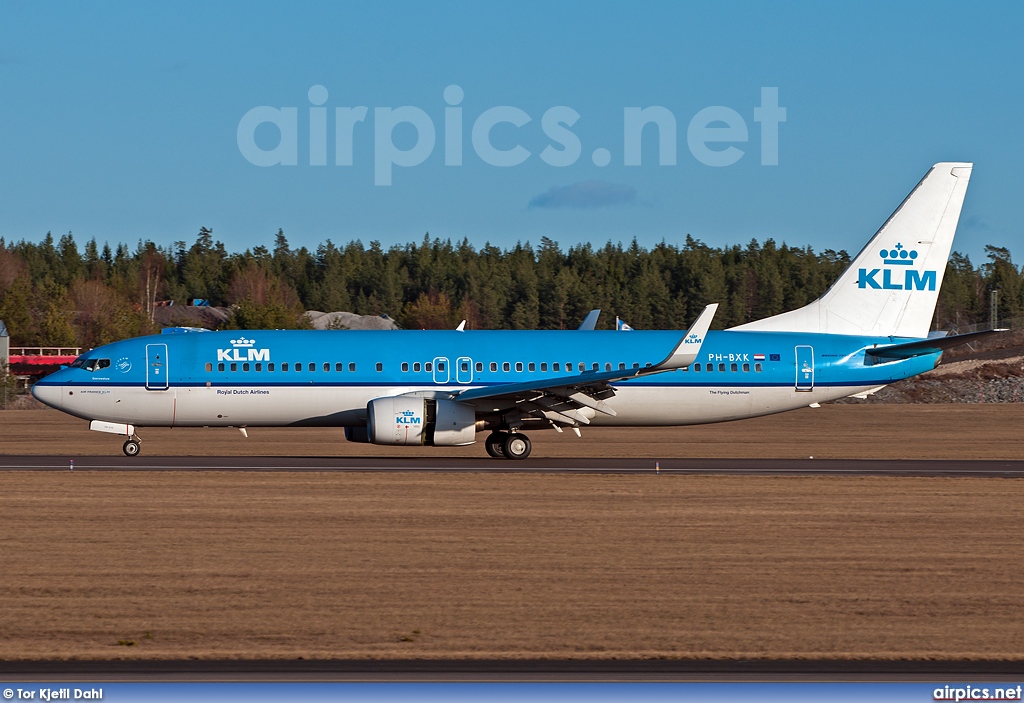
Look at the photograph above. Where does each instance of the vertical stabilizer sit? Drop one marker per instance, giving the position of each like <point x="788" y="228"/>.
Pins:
<point x="893" y="284"/>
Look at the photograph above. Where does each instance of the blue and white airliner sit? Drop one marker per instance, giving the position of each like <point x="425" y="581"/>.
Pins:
<point x="442" y="388"/>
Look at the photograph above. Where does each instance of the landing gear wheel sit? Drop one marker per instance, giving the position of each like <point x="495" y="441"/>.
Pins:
<point x="494" y="443"/>
<point x="516" y="446"/>
<point x="131" y="447"/>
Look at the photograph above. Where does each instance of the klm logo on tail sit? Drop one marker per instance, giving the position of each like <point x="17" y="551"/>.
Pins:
<point x="911" y="279"/>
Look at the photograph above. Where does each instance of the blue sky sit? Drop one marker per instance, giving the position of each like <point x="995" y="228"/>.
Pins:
<point x="120" y="121"/>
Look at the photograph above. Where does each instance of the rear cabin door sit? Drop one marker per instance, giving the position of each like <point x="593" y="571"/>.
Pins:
<point x="805" y="368"/>
<point x="156" y="367"/>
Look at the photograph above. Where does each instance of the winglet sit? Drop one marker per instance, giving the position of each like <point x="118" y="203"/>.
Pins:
<point x="688" y="348"/>
<point x="590" y="321"/>
<point x="461" y="327"/>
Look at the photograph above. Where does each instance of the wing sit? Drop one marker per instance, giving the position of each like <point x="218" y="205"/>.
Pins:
<point x="564" y="400"/>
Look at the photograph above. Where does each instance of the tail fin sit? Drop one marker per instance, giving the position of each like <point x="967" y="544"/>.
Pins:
<point x="893" y="284"/>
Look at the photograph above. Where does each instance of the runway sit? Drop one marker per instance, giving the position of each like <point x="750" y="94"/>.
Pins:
<point x="514" y="670"/>
<point x="727" y="467"/>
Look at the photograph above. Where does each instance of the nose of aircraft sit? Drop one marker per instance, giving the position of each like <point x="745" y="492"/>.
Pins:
<point x="49" y="393"/>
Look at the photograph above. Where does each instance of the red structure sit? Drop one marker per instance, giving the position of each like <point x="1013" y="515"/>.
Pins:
<point x="36" y="362"/>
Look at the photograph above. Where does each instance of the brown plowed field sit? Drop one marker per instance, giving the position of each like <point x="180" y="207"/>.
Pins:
<point x="178" y="564"/>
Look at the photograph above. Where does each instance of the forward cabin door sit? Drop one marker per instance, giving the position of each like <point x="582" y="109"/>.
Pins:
<point x="804" y="368"/>
<point x="156" y="367"/>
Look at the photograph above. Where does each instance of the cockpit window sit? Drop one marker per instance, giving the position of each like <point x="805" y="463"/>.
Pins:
<point x="90" y="364"/>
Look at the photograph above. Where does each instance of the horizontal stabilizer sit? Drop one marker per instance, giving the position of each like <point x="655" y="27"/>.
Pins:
<point x="929" y="346"/>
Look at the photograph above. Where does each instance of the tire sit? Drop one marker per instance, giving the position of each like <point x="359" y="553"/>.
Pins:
<point x="516" y="446"/>
<point x="131" y="448"/>
<point x="494" y="443"/>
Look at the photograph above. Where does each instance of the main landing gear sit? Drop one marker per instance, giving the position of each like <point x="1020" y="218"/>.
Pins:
<point x="132" y="447"/>
<point x="508" y="445"/>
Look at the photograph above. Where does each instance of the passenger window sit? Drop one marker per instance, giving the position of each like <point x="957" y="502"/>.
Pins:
<point x="746" y="368"/>
<point x="757" y="368"/>
<point x="312" y="367"/>
<point x="733" y="367"/>
<point x="506" y="367"/>
<point x="721" y="367"/>
<point x="351" y="366"/>
<point x="259" y="366"/>
<point x="543" y="366"/>
<point x="440" y="366"/>
<point x="327" y="367"/>
<point x="710" y="367"/>
<point x="270" y="366"/>
<point x="245" y="366"/>
<point x="519" y="366"/>
<point x="582" y="366"/>
<point x="220" y="366"/>
<point x="636" y="365"/>
<point x="428" y="366"/>
<point x="297" y="366"/>
<point x="648" y="364"/>
<point x="284" y="366"/>
<point x="622" y="366"/>
<point x="494" y="366"/>
<point x="696" y="367"/>
<point x="554" y="366"/>
<point x="607" y="367"/>
<point x="209" y="366"/>
<point x="380" y="366"/>
<point x="405" y="366"/>
<point x="479" y="366"/>
<point x="234" y="366"/>
<point x="531" y="367"/>
<point x="416" y="367"/>
<point x="595" y="366"/>
<point x="339" y="367"/>
<point x="465" y="366"/>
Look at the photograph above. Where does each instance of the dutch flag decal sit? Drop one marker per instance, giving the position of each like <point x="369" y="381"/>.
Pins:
<point x="758" y="357"/>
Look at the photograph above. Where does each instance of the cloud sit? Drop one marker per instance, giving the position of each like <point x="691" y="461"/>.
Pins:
<point x="588" y="194"/>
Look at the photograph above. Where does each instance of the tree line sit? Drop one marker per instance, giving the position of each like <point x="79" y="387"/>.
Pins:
<point x="54" y="293"/>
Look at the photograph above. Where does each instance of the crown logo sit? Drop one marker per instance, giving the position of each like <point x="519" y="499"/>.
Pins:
<point x="242" y="342"/>
<point x="898" y="256"/>
<point x="408" y="412"/>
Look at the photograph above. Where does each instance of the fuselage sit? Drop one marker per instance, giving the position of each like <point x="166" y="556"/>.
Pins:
<point x="326" y="378"/>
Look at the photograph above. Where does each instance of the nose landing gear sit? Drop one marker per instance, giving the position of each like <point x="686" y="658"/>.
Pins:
<point x="508" y="445"/>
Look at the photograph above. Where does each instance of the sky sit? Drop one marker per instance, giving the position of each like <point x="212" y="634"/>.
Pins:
<point x="146" y="121"/>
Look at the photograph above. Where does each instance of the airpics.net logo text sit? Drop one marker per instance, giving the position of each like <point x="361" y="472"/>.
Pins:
<point x="714" y="135"/>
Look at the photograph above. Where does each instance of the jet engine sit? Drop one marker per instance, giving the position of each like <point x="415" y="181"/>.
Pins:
<point x="410" y="420"/>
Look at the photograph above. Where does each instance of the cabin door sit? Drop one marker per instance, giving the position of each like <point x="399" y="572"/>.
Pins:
<point x="156" y="367"/>
<point x="804" y="368"/>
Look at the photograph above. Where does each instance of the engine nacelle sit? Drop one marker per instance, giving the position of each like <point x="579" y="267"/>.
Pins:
<point x="409" y="420"/>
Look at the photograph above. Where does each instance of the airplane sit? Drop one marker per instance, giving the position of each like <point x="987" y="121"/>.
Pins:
<point x="444" y="387"/>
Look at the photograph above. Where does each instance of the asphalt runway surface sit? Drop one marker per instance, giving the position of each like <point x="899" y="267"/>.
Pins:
<point x="980" y="468"/>
<point x="516" y="670"/>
